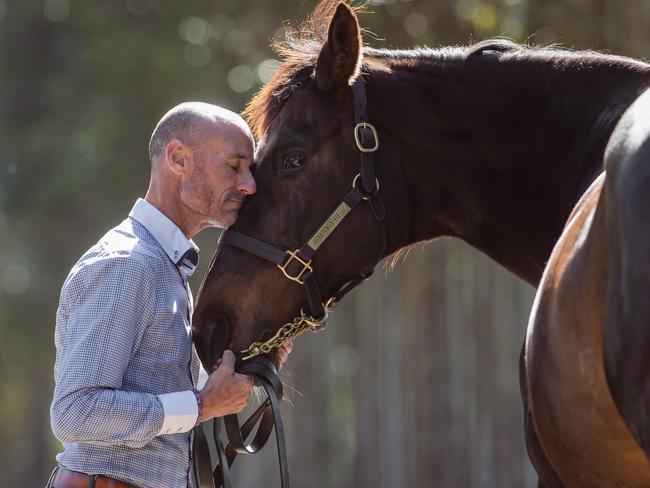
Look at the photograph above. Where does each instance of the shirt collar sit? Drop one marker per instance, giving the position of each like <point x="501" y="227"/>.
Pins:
<point x="168" y="235"/>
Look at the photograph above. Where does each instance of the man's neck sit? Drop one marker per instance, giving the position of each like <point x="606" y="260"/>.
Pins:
<point x="173" y="210"/>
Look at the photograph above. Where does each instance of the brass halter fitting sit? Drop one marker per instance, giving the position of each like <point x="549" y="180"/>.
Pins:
<point x="357" y="137"/>
<point x="354" y="184"/>
<point x="306" y="266"/>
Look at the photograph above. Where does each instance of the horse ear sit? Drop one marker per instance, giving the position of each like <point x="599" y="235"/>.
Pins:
<point x="340" y="56"/>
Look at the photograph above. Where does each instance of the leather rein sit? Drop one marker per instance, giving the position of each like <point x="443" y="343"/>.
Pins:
<point x="296" y="266"/>
<point x="268" y="415"/>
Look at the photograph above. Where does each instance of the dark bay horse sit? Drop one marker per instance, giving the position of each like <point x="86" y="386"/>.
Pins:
<point x="587" y="349"/>
<point x="494" y="144"/>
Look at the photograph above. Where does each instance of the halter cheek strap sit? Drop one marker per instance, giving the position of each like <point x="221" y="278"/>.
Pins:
<point x="367" y="140"/>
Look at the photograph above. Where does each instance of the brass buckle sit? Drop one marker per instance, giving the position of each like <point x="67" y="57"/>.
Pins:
<point x="306" y="266"/>
<point x="357" y="137"/>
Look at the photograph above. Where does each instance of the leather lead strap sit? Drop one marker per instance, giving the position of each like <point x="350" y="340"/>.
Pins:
<point x="221" y="473"/>
<point x="201" y="459"/>
<point x="264" y="370"/>
<point x="269" y="417"/>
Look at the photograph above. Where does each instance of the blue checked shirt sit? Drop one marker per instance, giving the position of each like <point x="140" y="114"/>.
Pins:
<point x="125" y="366"/>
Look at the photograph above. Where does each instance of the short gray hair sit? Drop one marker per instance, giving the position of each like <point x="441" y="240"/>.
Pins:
<point x="182" y="121"/>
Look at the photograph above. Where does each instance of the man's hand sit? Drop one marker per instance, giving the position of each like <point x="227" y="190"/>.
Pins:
<point x="283" y="353"/>
<point x="225" y="392"/>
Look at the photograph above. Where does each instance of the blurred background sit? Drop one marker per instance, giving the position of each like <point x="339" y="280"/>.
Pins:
<point x="415" y="382"/>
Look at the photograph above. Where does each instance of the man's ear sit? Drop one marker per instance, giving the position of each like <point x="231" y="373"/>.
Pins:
<point x="177" y="157"/>
<point x="340" y="56"/>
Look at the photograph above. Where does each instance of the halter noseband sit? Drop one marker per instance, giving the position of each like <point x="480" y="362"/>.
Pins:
<point x="296" y="265"/>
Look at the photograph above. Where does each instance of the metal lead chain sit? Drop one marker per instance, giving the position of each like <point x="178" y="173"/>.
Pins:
<point x="287" y="332"/>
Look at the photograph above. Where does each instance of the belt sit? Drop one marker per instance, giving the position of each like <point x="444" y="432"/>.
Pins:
<point x="65" y="478"/>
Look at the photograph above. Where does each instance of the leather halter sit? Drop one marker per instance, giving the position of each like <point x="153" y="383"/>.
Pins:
<point x="296" y="265"/>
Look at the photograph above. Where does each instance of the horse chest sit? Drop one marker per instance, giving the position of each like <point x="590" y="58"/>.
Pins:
<point x="579" y="426"/>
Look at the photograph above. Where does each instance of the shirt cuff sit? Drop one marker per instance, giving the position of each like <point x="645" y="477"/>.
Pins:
<point x="203" y="378"/>
<point x="181" y="412"/>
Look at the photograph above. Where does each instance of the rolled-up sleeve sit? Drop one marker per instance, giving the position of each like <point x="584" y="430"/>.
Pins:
<point x="105" y="309"/>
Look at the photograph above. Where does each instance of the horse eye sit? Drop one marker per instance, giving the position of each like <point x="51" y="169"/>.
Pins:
<point x="294" y="160"/>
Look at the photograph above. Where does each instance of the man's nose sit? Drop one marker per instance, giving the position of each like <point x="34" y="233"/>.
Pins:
<point x="247" y="184"/>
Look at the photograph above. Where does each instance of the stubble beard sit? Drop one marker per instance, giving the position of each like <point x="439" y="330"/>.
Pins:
<point x="230" y="216"/>
<point x="199" y="199"/>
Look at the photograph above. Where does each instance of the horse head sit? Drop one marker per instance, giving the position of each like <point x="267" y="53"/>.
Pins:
<point x="306" y="163"/>
<point x="485" y="143"/>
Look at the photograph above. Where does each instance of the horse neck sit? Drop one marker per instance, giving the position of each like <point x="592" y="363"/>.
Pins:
<point x="495" y="153"/>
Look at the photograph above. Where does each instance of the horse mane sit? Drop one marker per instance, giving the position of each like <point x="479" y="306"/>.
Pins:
<point x="300" y="46"/>
<point x="298" y="51"/>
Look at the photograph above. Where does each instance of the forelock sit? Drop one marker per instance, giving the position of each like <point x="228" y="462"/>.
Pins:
<point x="298" y="50"/>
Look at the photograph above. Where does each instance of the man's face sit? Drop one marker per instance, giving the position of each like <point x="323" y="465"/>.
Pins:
<point x="221" y="177"/>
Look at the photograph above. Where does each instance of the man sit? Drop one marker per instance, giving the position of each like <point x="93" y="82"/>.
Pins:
<point x="126" y="373"/>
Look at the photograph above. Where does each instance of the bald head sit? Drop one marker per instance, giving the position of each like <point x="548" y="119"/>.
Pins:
<point x="188" y="122"/>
